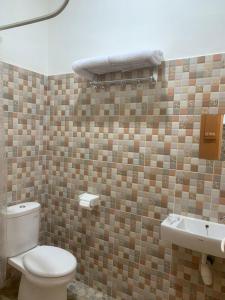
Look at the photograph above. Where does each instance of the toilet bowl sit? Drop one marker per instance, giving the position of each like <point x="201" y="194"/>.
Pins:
<point x="46" y="270"/>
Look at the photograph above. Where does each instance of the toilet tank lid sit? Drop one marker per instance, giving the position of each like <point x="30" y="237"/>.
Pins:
<point x="22" y="209"/>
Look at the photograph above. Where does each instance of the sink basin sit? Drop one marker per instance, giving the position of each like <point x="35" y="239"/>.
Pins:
<point x="194" y="234"/>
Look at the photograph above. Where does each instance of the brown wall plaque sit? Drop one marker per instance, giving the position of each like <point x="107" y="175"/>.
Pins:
<point x="211" y="136"/>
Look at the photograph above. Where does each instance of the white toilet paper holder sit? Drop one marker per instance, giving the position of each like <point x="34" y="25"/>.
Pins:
<point x="88" y="201"/>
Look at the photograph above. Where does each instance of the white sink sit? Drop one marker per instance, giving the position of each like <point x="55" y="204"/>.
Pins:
<point x="194" y="234"/>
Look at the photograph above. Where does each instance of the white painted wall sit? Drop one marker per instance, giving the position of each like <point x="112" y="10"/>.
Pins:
<point x="28" y="46"/>
<point x="181" y="28"/>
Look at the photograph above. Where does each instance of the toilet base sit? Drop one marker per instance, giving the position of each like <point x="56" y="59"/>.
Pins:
<point x="29" y="290"/>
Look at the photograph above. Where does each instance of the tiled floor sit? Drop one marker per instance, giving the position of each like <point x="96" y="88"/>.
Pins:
<point x="80" y="291"/>
<point x="76" y="291"/>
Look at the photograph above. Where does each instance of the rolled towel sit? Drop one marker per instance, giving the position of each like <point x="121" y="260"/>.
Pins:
<point x="137" y="59"/>
<point x="84" y="67"/>
<point x="90" y="67"/>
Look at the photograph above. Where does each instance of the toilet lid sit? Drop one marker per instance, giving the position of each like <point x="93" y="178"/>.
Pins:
<point x="47" y="261"/>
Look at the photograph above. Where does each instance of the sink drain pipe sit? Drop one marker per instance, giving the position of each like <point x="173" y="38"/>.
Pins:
<point x="205" y="269"/>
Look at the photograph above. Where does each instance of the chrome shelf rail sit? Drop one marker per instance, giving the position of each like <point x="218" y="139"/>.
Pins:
<point x="122" y="81"/>
<point x="36" y="20"/>
<point x="153" y="79"/>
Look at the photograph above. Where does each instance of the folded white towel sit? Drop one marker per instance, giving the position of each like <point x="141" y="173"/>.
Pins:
<point x="90" y="67"/>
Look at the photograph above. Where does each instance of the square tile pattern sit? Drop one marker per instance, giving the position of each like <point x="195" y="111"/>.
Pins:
<point x="76" y="291"/>
<point x="137" y="147"/>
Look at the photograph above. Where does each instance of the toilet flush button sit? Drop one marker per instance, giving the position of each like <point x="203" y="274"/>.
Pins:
<point x="22" y="206"/>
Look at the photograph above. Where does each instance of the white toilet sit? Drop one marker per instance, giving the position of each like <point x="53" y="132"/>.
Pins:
<point x="46" y="270"/>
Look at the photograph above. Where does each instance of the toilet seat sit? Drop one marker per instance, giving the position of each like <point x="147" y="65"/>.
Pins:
<point x="49" y="262"/>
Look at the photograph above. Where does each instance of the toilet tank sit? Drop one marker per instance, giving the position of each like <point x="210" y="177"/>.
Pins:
<point x="22" y="227"/>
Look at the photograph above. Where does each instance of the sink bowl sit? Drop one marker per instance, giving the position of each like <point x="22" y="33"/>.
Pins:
<point x="194" y="234"/>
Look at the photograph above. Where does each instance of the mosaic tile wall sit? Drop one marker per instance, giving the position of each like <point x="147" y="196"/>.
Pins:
<point x="137" y="147"/>
<point x="23" y="99"/>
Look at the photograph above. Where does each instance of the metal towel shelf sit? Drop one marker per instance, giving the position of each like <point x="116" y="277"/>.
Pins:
<point x="153" y="78"/>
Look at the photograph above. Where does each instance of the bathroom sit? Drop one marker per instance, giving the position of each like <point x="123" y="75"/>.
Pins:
<point x="117" y="174"/>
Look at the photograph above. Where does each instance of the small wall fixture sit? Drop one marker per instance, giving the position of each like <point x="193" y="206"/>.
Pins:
<point x="88" y="201"/>
<point x="211" y="136"/>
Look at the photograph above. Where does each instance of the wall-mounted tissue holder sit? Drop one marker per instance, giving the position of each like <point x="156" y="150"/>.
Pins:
<point x="88" y="201"/>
